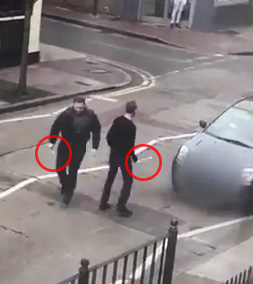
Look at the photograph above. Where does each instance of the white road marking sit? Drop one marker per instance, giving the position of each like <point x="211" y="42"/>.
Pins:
<point x="148" y="82"/>
<point x="172" y="72"/>
<point x="103" y="98"/>
<point x="220" y="61"/>
<point x="142" y="149"/>
<point x="189" y="68"/>
<point x="206" y="63"/>
<point x="17" y="187"/>
<point x="138" y="271"/>
<point x="18" y="119"/>
<point x="201" y="58"/>
<point x="219" y="55"/>
<point x="181" y="136"/>
<point x="87" y="170"/>
<point x="61" y="8"/>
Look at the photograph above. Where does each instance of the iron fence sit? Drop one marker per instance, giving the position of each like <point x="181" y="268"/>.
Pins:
<point x="245" y="277"/>
<point x="152" y="262"/>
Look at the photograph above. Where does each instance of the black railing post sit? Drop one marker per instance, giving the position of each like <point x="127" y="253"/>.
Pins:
<point x="95" y="7"/>
<point x="84" y="272"/>
<point x="170" y="253"/>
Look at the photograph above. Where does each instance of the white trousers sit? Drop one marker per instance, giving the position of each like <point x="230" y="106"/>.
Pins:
<point x="178" y="7"/>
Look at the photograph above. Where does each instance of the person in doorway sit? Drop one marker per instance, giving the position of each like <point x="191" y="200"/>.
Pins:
<point x="121" y="139"/>
<point x="76" y="124"/>
<point x="177" y="10"/>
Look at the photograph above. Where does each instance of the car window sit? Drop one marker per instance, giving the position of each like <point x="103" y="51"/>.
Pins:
<point x="235" y="125"/>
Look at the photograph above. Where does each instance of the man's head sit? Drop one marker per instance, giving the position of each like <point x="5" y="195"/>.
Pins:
<point x="79" y="104"/>
<point x="131" y="108"/>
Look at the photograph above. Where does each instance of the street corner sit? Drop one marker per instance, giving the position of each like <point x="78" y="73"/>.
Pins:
<point x="59" y="79"/>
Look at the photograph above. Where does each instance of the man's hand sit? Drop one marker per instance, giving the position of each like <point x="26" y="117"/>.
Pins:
<point x="93" y="152"/>
<point x="134" y="158"/>
<point x="51" y="147"/>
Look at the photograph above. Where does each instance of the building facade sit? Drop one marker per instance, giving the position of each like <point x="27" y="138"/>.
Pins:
<point x="12" y="15"/>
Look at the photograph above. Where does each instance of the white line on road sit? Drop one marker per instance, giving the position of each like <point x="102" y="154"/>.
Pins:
<point x="207" y="63"/>
<point x="18" y="119"/>
<point x="17" y="187"/>
<point x="172" y="72"/>
<point x="219" y="55"/>
<point x="181" y="136"/>
<point x="189" y="68"/>
<point x="87" y="170"/>
<point x="148" y="82"/>
<point x="138" y="271"/>
<point x="103" y="98"/>
<point x="201" y="58"/>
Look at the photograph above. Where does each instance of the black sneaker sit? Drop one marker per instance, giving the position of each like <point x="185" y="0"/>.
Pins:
<point x="124" y="212"/>
<point x="67" y="198"/>
<point x="178" y="26"/>
<point x="105" y="206"/>
<point x="172" y="26"/>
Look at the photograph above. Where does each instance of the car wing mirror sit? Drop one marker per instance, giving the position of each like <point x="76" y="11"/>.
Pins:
<point x="203" y="124"/>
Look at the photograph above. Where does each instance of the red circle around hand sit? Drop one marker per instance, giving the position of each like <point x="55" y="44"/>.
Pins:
<point x="37" y="156"/>
<point x="159" y="157"/>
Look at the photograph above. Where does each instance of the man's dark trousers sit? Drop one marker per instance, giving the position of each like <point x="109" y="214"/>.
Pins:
<point x="117" y="161"/>
<point x="68" y="180"/>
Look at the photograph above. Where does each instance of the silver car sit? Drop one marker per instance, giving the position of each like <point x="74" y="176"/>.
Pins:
<point x="217" y="163"/>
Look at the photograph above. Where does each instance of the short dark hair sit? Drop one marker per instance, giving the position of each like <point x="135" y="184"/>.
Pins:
<point x="79" y="99"/>
<point x="131" y="107"/>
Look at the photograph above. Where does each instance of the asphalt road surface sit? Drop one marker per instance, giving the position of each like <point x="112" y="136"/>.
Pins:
<point x="41" y="240"/>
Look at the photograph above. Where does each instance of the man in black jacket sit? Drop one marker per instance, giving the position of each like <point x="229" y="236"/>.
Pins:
<point x="76" y="124"/>
<point x="121" y="139"/>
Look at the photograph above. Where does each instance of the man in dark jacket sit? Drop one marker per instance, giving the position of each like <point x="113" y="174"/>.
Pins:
<point x="76" y="124"/>
<point x="121" y="139"/>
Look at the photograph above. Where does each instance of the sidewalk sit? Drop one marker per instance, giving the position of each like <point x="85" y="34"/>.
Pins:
<point x="219" y="255"/>
<point x="61" y="74"/>
<point x="155" y="30"/>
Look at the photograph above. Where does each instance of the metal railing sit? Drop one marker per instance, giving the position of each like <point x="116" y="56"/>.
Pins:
<point x="245" y="277"/>
<point x="151" y="263"/>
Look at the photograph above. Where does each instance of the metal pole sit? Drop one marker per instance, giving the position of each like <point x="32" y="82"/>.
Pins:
<point x="84" y="272"/>
<point x="139" y="10"/>
<point x="25" y="48"/>
<point x="170" y="253"/>
<point x="166" y="9"/>
<point x="95" y="7"/>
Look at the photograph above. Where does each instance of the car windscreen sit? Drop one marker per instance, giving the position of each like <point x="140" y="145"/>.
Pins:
<point x="235" y="125"/>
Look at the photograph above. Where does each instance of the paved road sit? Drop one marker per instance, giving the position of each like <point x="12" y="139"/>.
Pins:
<point x="36" y="233"/>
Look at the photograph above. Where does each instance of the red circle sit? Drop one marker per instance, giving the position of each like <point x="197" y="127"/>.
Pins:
<point x="37" y="156"/>
<point x="147" y="146"/>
